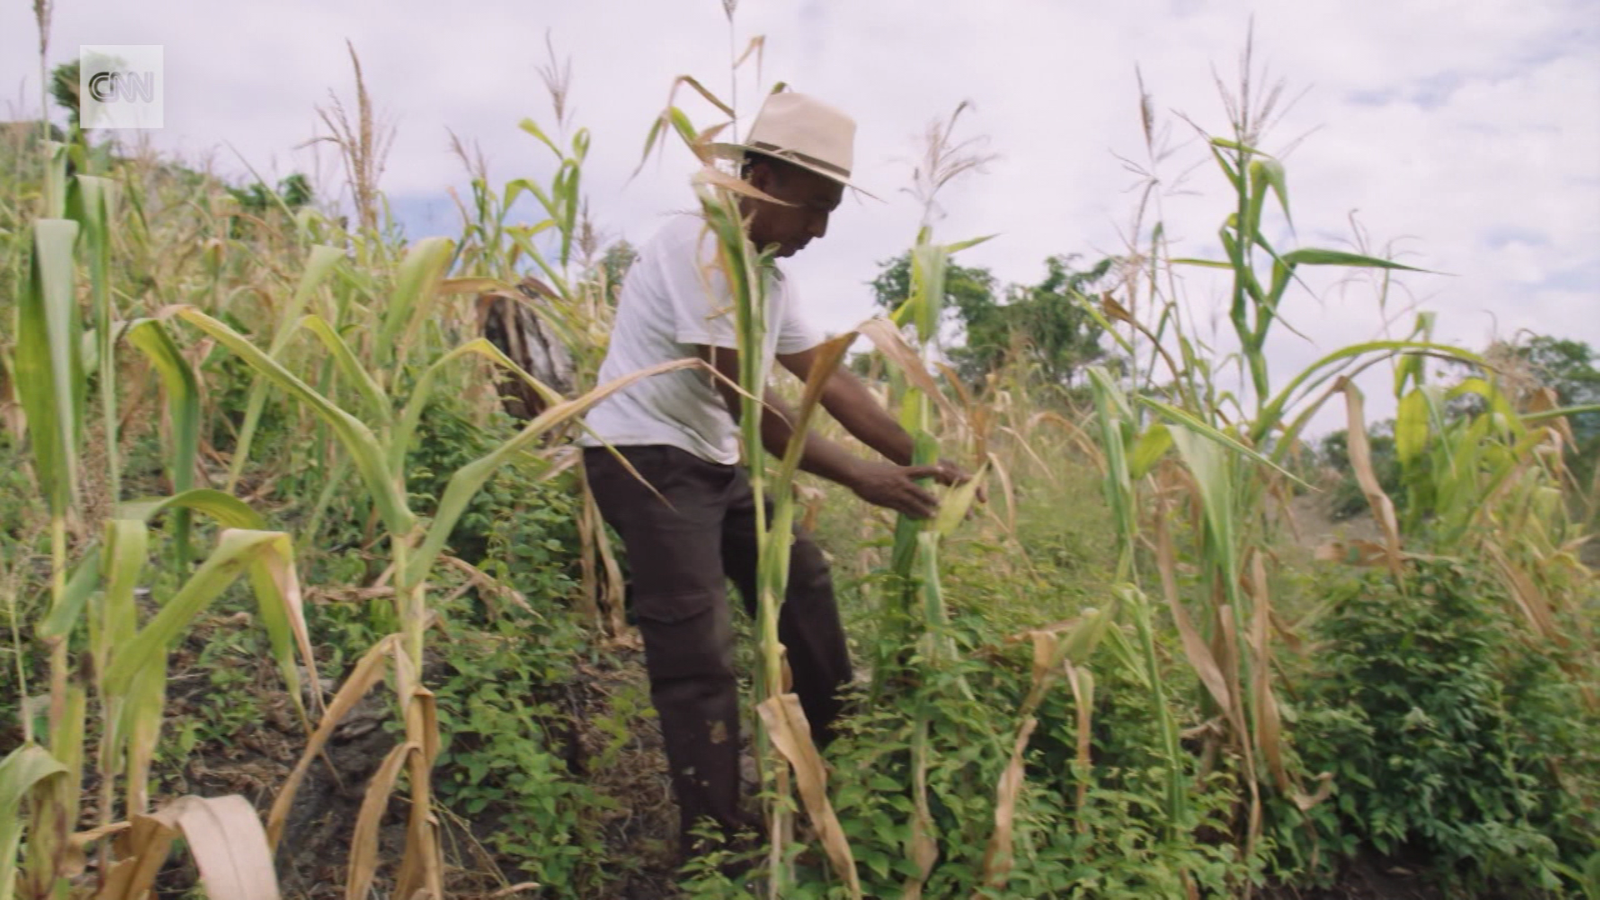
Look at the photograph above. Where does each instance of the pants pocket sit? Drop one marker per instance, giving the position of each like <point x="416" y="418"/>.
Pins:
<point x="687" y="634"/>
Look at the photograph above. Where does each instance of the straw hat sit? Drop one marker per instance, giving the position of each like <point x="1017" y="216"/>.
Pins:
<point x="802" y="131"/>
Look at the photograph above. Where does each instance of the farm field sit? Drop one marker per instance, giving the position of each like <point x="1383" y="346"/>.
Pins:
<point x="305" y="596"/>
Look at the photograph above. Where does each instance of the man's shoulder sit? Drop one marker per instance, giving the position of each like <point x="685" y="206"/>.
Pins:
<point x="676" y="234"/>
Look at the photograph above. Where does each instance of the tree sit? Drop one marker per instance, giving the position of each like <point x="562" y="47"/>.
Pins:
<point x="1041" y="324"/>
<point x="1572" y="370"/>
<point x="614" y="266"/>
<point x="64" y="88"/>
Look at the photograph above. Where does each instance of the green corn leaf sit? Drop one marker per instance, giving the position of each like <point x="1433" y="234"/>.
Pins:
<point x="1309" y="256"/>
<point x="1411" y="427"/>
<point x="422" y="392"/>
<point x="49" y="362"/>
<point x="319" y="266"/>
<point x="1272" y="174"/>
<point x="1547" y="414"/>
<point x="1319" y="373"/>
<point x="236" y="551"/>
<point x="1081" y="641"/>
<point x="115" y="618"/>
<point x="29" y="769"/>
<point x="416" y="282"/>
<point x="350" y="367"/>
<point x="1226" y="144"/>
<point x="81" y="585"/>
<point x="1148" y="450"/>
<point x="1209" y="465"/>
<point x="1206" y="263"/>
<point x="466" y="481"/>
<point x="55" y="197"/>
<point x="1201" y="429"/>
<point x="532" y="127"/>
<point x="183" y="412"/>
<point x="365" y="451"/>
<point x="958" y="246"/>
<point x="90" y="202"/>
<point x="228" y="511"/>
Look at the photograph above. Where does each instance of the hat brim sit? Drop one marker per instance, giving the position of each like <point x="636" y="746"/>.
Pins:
<point x="738" y="152"/>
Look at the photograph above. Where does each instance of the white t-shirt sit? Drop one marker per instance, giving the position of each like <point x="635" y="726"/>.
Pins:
<point x="674" y="297"/>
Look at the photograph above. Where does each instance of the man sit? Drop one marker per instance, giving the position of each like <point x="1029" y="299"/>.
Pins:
<point x="679" y="431"/>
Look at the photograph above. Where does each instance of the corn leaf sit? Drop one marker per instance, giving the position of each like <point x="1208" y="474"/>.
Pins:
<point x="1308" y="256"/>
<point x="49" y="362"/>
<point x="228" y="846"/>
<point x="368" y="671"/>
<point x="358" y="440"/>
<point x="466" y="481"/>
<point x="236" y="550"/>
<point x="228" y="511"/>
<point x="319" y="266"/>
<point x="371" y="394"/>
<point x="25" y="770"/>
<point x="183" y="412"/>
<point x="416" y="282"/>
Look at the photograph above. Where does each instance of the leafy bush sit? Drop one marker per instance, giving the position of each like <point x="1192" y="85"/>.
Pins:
<point x="1449" y="738"/>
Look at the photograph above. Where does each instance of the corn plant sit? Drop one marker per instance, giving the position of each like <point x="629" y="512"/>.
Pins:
<point x="126" y="661"/>
<point x="1192" y="444"/>
<point x="376" y="442"/>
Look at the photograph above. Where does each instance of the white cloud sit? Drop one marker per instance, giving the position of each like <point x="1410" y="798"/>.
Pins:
<point x="1470" y="128"/>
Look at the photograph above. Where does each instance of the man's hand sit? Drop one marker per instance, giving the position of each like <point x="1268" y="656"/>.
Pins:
<point x="895" y="487"/>
<point x="951" y="475"/>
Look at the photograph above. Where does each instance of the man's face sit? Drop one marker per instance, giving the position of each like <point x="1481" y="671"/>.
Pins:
<point x="812" y="198"/>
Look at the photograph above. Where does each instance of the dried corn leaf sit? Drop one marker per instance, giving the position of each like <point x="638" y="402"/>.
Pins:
<point x="1361" y="462"/>
<point x="887" y="338"/>
<point x="922" y="847"/>
<point x="1081" y="681"/>
<point x="367" y="672"/>
<point x="997" y="857"/>
<point x="363" y="867"/>
<point x="791" y="734"/>
<point x="227" y="843"/>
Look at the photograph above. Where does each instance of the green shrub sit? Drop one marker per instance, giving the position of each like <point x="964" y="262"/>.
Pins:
<point x="1450" y="738"/>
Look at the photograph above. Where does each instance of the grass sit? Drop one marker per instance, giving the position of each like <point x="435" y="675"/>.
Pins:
<point x="1103" y="682"/>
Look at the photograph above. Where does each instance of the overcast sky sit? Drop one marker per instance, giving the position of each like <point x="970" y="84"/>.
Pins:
<point x="1465" y="132"/>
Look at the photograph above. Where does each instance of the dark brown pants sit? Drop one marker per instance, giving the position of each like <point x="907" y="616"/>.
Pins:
<point x="680" y="558"/>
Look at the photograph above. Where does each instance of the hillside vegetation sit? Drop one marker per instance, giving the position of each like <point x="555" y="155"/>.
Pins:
<point x="299" y="573"/>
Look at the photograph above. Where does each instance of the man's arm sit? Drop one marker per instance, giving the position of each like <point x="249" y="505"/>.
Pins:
<point x="853" y="405"/>
<point x="848" y="400"/>
<point x="882" y="484"/>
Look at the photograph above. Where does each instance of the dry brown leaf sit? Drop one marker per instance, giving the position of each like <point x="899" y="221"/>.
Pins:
<point x="1525" y="593"/>
<point x="997" y="857"/>
<point x="922" y="847"/>
<point x="892" y="345"/>
<point x="367" y="672"/>
<point x="1081" y="680"/>
<point x="1269" y="726"/>
<point x="363" y="865"/>
<point x="1361" y="462"/>
<point x="791" y="734"/>
<point x="1194" y="646"/>
<point x="228" y="845"/>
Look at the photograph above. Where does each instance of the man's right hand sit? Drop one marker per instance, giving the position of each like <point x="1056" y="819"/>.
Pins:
<point x="895" y="487"/>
